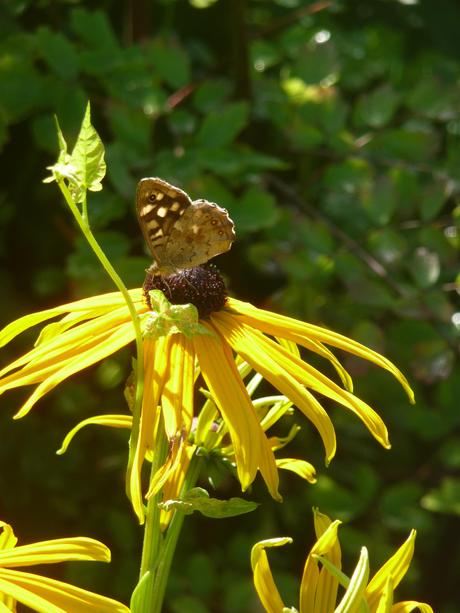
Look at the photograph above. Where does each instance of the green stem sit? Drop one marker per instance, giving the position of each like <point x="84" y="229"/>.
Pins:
<point x="157" y="567"/>
<point x="170" y="542"/>
<point x="152" y="531"/>
<point x="82" y="220"/>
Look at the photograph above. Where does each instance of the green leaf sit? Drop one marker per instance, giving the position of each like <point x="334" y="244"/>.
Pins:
<point x="317" y="64"/>
<point x="197" y="499"/>
<point x="388" y="245"/>
<point x="425" y="267"/>
<point x="413" y="145"/>
<point x="432" y="201"/>
<point x="381" y="203"/>
<point x="171" y="63"/>
<point x="22" y="89"/>
<point x="88" y="159"/>
<point x="445" y="498"/>
<point x="85" y="167"/>
<point x="220" y="128"/>
<point x="88" y="154"/>
<point x="58" y="52"/>
<point x="212" y="95"/>
<point x="131" y="128"/>
<point x="94" y="29"/>
<point x="202" y="4"/>
<point x="434" y="98"/>
<point x="255" y="210"/>
<point x="377" y="108"/>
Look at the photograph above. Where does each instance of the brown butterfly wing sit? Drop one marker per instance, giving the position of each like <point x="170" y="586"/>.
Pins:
<point x="159" y="206"/>
<point x="202" y="232"/>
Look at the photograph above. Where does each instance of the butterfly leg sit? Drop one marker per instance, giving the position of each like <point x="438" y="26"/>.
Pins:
<point x="149" y="284"/>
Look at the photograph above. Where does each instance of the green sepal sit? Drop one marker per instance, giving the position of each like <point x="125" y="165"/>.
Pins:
<point x="166" y="318"/>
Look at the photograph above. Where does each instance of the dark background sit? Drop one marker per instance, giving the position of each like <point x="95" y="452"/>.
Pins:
<point x="330" y="131"/>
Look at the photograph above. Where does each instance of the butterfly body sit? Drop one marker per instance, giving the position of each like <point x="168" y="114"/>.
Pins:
<point x="180" y="233"/>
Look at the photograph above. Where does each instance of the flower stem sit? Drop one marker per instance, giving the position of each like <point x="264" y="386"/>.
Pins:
<point x="159" y="551"/>
<point x="81" y="218"/>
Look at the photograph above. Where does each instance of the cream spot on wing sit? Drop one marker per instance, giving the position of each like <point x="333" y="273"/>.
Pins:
<point x="162" y="211"/>
<point x="147" y="208"/>
<point x="153" y="225"/>
<point x="159" y="195"/>
<point x="175" y="206"/>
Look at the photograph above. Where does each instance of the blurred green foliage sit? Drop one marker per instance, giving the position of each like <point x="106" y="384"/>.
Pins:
<point x="330" y="131"/>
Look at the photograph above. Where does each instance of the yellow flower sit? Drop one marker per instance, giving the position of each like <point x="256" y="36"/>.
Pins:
<point x="43" y="594"/>
<point x="176" y="350"/>
<point x="322" y="577"/>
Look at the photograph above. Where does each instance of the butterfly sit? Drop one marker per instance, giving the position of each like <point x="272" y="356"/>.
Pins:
<point x="180" y="233"/>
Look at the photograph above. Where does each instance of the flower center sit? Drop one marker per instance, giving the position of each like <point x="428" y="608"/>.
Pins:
<point x="201" y="286"/>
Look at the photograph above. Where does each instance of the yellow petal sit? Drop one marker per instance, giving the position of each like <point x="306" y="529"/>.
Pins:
<point x="56" y="550"/>
<point x="410" y="605"/>
<point x="156" y="361"/>
<point x="386" y="599"/>
<point x="112" y="299"/>
<point x="166" y="471"/>
<point x="75" y="338"/>
<point x="311" y="575"/>
<point x="327" y="588"/>
<point x="262" y="575"/>
<point x="396" y="566"/>
<point x="7" y="537"/>
<point x="303" y="333"/>
<point x="173" y="486"/>
<point x="299" y="467"/>
<point x="51" y="596"/>
<point x="112" y="421"/>
<point x="353" y="597"/>
<point x="251" y="347"/>
<point x="119" y="338"/>
<point x="307" y="375"/>
<point x="321" y="350"/>
<point x="177" y="395"/>
<point x="227" y="388"/>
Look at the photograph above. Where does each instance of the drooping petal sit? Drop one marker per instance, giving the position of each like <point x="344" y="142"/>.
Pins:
<point x="396" y="566"/>
<point x="156" y="360"/>
<point x="169" y="468"/>
<point x="299" y="467"/>
<point x="70" y="341"/>
<point x="110" y="300"/>
<point x="177" y="396"/>
<point x="411" y="605"/>
<point x="227" y="388"/>
<point x="263" y="578"/>
<point x="7" y="537"/>
<point x="112" y="421"/>
<point x="50" y="596"/>
<point x="248" y="344"/>
<point x="307" y="375"/>
<point x="117" y="339"/>
<point x="303" y="333"/>
<point x="173" y="486"/>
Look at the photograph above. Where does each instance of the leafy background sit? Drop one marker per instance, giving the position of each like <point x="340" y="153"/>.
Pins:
<point x="330" y="131"/>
